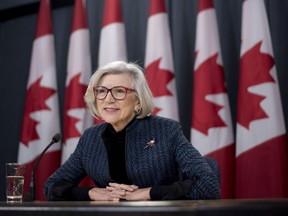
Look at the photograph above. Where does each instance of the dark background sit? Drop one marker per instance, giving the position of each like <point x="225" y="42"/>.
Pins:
<point x="18" y="24"/>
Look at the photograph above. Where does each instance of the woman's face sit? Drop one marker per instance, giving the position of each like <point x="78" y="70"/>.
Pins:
<point x="117" y="112"/>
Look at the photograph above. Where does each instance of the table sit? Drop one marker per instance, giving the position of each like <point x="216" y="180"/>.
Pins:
<point x="263" y="207"/>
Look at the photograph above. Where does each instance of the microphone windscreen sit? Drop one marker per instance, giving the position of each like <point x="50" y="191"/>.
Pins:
<point x="57" y="137"/>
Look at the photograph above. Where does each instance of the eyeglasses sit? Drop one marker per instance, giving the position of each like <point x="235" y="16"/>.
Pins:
<point x="117" y="92"/>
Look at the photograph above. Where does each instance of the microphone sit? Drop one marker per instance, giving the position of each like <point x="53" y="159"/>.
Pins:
<point x="56" y="138"/>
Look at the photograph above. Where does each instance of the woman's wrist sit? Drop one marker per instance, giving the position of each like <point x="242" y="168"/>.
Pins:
<point x="147" y="194"/>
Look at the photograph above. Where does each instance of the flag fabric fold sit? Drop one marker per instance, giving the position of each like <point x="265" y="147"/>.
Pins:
<point x="261" y="146"/>
<point x="212" y="130"/>
<point x="112" y="37"/>
<point x="41" y="114"/>
<point x="159" y="62"/>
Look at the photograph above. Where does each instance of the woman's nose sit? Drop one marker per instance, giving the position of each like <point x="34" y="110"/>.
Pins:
<point x="109" y="97"/>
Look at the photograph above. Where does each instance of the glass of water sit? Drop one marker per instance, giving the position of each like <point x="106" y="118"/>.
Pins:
<point x="14" y="182"/>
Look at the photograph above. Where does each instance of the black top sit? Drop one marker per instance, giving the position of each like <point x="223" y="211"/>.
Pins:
<point x="115" y="146"/>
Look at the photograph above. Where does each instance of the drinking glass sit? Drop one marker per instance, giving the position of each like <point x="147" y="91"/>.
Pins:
<point x="14" y="182"/>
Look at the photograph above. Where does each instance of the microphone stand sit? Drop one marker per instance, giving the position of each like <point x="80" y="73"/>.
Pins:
<point x="31" y="196"/>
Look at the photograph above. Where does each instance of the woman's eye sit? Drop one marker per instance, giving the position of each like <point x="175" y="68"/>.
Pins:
<point x="101" y="90"/>
<point x="120" y="90"/>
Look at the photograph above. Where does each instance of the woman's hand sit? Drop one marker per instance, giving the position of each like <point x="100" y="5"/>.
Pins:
<point x="128" y="192"/>
<point x="101" y="194"/>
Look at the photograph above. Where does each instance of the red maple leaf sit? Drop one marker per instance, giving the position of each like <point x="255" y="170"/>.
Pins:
<point x="156" y="110"/>
<point x="158" y="79"/>
<point x="74" y="99"/>
<point x="208" y="79"/>
<point x="254" y="69"/>
<point x="36" y="97"/>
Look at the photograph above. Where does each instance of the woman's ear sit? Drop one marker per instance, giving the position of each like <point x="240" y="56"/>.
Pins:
<point x="137" y="107"/>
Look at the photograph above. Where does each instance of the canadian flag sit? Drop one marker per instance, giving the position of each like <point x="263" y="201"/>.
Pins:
<point x="76" y="117"/>
<point x="159" y="62"/>
<point x="41" y="115"/>
<point x="212" y="131"/>
<point x="261" y="146"/>
<point x="112" y="37"/>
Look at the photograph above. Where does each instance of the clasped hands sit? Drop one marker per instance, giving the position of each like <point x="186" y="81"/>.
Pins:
<point x="115" y="192"/>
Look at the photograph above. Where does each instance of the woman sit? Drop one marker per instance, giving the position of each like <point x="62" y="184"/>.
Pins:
<point x="132" y="155"/>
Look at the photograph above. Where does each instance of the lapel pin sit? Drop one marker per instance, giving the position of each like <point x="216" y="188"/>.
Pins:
<point x="150" y="144"/>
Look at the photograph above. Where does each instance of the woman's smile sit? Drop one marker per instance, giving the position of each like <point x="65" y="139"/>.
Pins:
<point x="111" y="110"/>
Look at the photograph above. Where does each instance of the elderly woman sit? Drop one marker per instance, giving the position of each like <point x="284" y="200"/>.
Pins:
<point x="132" y="155"/>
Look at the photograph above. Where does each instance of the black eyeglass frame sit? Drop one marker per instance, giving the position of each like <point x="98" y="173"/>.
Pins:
<point x="110" y="90"/>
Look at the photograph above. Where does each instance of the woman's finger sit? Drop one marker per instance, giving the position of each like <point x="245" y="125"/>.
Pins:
<point x="123" y="186"/>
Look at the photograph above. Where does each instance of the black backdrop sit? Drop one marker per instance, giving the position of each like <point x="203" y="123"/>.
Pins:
<point x="18" y="24"/>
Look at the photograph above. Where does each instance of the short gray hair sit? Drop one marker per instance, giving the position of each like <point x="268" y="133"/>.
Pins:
<point x="139" y="83"/>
